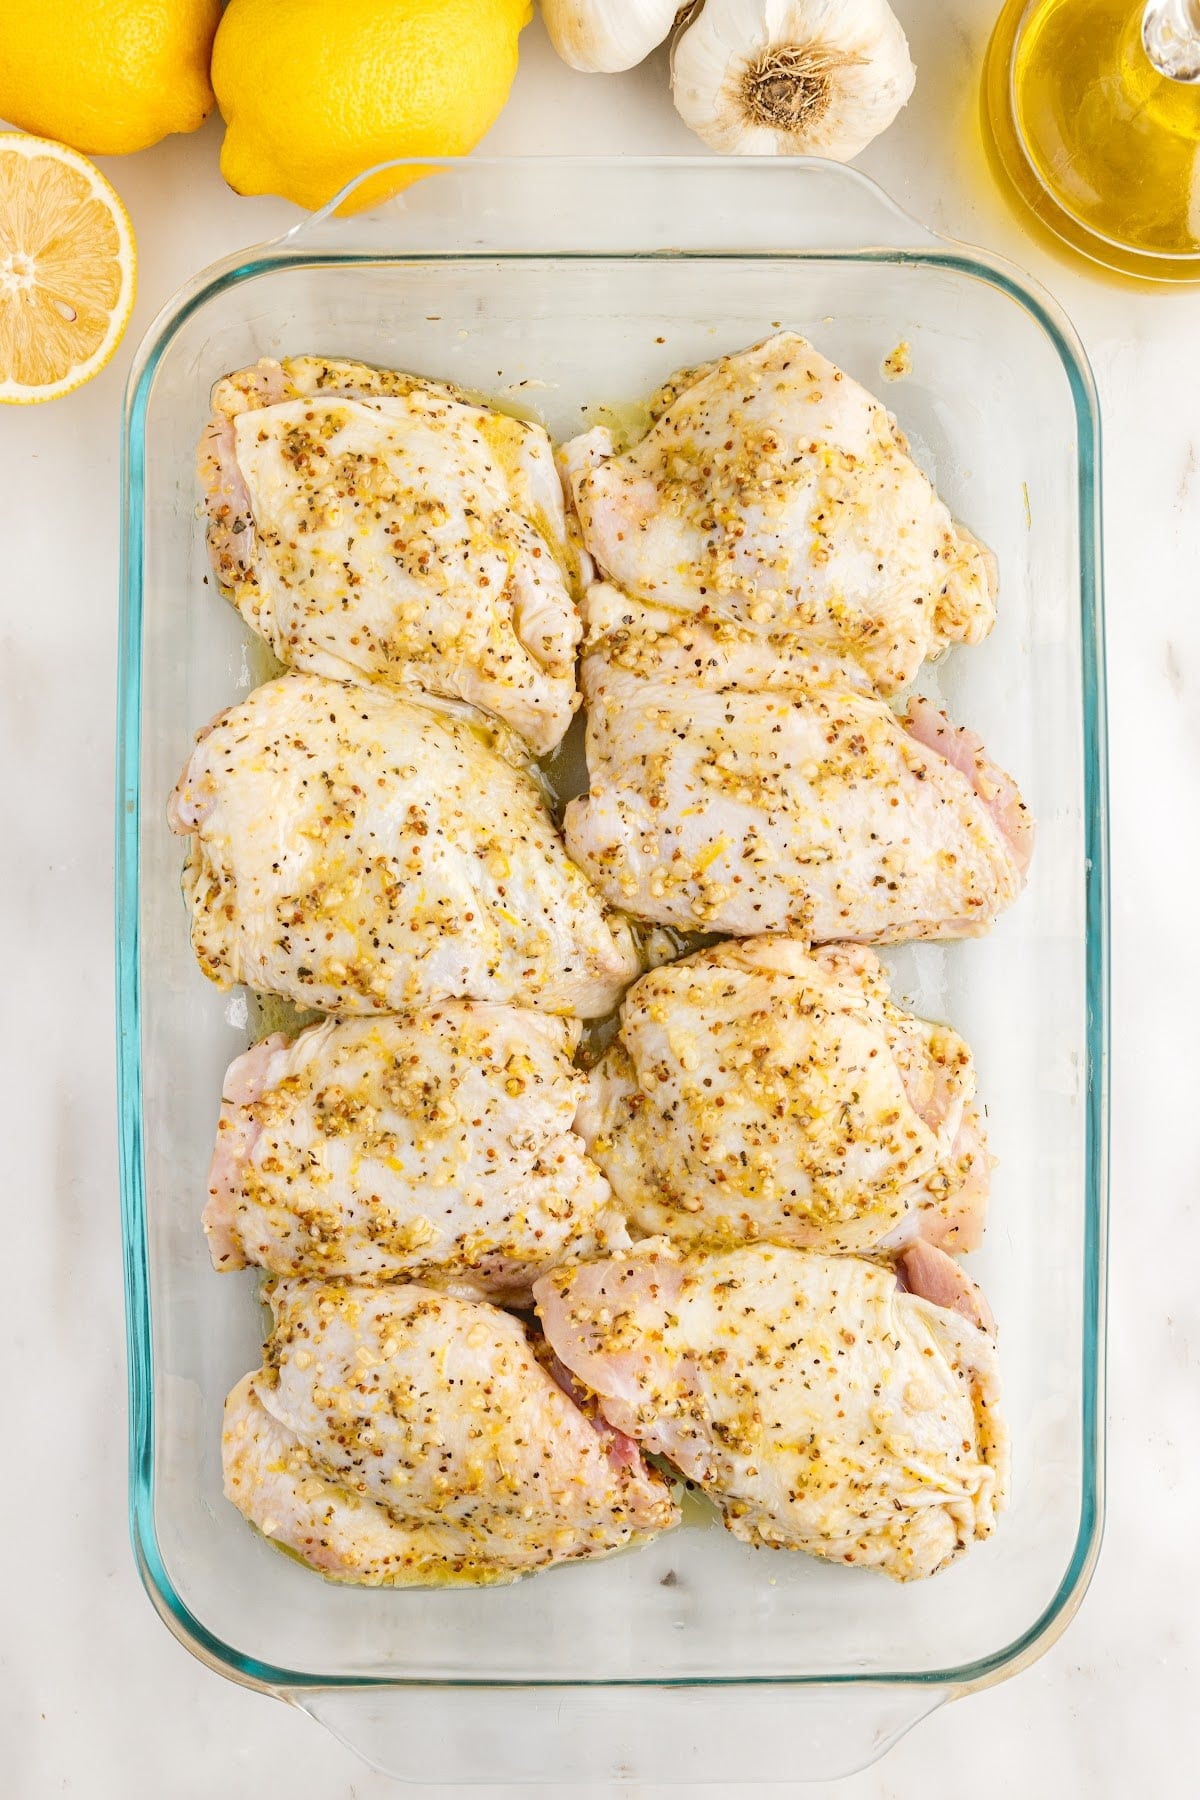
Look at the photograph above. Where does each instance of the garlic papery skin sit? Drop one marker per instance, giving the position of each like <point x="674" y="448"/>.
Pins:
<point x="605" y="36"/>
<point x="792" y="77"/>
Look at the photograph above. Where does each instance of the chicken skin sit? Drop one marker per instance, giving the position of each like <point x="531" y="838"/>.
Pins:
<point x="353" y="851"/>
<point x="378" y="527"/>
<point x="823" y="1408"/>
<point x="772" y="491"/>
<point x="758" y="1090"/>
<point x="399" y="1436"/>
<point x="436" y="1145"/>
<point x="734" y="792"/>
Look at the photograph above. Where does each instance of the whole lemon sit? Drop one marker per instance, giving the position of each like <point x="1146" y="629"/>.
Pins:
<point x="106" y="76"/>
<point x="313" y="94"/>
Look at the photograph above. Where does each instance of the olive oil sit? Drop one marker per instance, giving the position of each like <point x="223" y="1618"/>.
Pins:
<point x="1099" y="143"/>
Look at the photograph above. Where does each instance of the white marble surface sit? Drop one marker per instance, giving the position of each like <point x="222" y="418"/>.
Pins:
<point x="95" y="1698"/>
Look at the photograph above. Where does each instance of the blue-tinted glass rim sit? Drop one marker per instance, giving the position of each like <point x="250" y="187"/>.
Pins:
<point x="184" y="1624"/>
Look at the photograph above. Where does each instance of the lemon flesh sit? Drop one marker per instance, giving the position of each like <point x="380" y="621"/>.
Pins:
<point x="67" y="269"/>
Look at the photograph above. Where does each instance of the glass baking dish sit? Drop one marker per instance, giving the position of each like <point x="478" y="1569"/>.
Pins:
<point x="562" y="287"/>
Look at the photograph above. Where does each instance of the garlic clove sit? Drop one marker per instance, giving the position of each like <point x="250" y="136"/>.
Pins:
<point x="603" y="36"/>
<point x="791" y="77"/>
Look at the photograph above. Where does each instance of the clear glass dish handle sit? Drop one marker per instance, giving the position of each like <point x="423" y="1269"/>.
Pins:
<point x="599" y="205"/>
<point x="690" y="1736"/>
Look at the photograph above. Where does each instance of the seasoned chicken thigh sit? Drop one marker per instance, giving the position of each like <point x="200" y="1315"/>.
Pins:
<point x="354" y="851"/>
<point x="378" y="527"/>
<point x="823" y="1408"/>
<point x="401" y="1436"/>
<point x="733" y="792"/>
<point x="757" y="1090"/>
<point x="274" y="1480"/>
<point x="437" y="1145"/>
<point x="773" y="491"/>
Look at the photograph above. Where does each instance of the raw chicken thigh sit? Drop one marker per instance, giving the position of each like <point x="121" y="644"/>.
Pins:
<point x="773" y="491"/>
<point x="372" y="525"/>
<point x="274" y="1480"/>
<point x="357" y="852"/>
<point x="731" y="792"/>
<point x="399" y="1436"/>
<point x="757" y="1090"/>
<point x="438" y="1145"/>
<point x="823" y="1408"/>
<point x="925" y="1269"/>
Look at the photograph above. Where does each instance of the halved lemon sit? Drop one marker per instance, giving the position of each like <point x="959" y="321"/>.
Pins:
<point x="68" y="269"/>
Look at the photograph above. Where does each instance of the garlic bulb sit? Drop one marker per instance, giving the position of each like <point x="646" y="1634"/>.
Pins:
<point x="792" y="77"/>
<point x="602" y="36"/>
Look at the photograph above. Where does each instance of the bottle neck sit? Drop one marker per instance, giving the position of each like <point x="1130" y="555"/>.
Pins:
<point x="1171" y="38"/>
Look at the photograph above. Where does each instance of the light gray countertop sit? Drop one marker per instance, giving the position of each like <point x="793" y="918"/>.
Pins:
<point x="95" y="1698"/>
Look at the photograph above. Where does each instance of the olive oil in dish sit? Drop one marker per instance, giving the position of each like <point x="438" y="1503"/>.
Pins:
<point x="1092" y="108"/>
